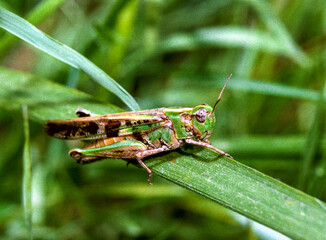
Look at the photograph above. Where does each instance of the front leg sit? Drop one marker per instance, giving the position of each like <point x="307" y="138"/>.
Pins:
<point x="203" y="144"/>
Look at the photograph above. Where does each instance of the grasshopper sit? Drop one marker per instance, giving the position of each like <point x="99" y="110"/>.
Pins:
<point x="138" y="134"/>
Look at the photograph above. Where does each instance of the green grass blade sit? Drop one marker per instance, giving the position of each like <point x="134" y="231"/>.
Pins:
<point x="279" y="31"/>
<point x="232" y="37"/>
<point x="239" y="37"/>
<point x="35" y="16"/>
<point x="241" y="84"/>
<point x="217" y="178"/>
<point x="44" y="9"/>
<point x="273" y="89"/>
<point x="312" y="144"/>
<point x="27" y="179"/>
<point x="45" y="99"/>
<point x="245" y="191"/>
<point x="32" y="35"/>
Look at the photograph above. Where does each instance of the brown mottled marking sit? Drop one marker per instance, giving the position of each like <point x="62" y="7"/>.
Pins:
<point x="77" y="130"/>
<point x="103" y="126"/>
<point x="128" y="123"/>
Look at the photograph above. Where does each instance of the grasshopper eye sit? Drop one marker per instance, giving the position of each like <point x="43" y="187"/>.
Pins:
<point x="201" y="115"/>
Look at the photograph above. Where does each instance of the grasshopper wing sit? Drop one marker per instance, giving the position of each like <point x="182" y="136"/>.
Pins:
<point x="106" y="126"/>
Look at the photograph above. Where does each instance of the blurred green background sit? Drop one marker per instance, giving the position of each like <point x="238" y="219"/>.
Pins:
<point x="169" y="53"/>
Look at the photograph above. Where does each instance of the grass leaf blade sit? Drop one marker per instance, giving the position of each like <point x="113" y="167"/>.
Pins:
<point x="32" y="35"/>
<point x="244" y="190"/>
<point x="27" y="172"/>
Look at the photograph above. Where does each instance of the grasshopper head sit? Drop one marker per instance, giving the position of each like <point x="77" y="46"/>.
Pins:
<point x="203" y="118"/>
<point x="203" y="121"/>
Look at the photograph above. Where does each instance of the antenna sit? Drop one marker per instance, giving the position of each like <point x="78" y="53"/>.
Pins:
<point x="219" y="97"/>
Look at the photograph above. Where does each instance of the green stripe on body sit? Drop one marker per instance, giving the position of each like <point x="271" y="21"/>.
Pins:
<point x="174" y="116"/>
<point x="113" y="146"/>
